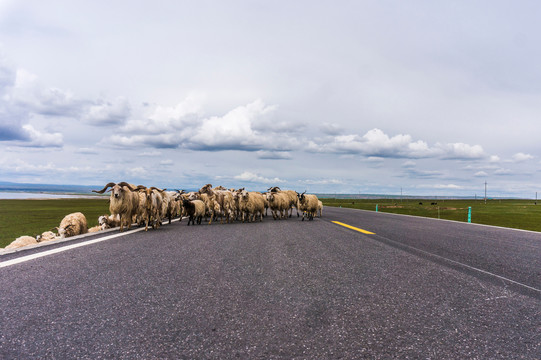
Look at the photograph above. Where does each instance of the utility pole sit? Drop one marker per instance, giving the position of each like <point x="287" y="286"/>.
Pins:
<point x="485" y="192"/>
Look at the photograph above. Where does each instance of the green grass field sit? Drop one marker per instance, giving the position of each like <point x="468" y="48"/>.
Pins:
<point x="32" y="217"/>
<point x="519" y="214"/>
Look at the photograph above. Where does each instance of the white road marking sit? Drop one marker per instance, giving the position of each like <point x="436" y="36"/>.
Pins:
<point x="66" y="248"/>
<point x="464" y="265"/>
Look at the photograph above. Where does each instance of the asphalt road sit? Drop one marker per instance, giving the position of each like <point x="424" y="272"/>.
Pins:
<point x="417" y="288"/>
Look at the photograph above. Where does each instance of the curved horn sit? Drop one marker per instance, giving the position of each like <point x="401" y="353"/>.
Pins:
<point x="123" y="183"/>
<point x="140" y="187"/>
<point x="111" y="184"/>
<point x="155" y="188"/>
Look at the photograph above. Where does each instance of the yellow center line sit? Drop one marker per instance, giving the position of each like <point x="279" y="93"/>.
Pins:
<point x="353" y="228"/>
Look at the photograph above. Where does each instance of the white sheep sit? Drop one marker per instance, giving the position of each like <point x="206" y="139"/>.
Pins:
<point x="47" y="236"/>
<point x="279" y="204"/>
<point x="320" y="208"/>
<point x="308" y="204"/>
<point x="152" y="203"/>
<point x="108" y="221"/>
<point x="251" y="204"/>
<point x="94" y="229"/>
<point x="124" y="202"/>
<point x="224" y="198"/>
<point x="22" y="241"/>
<point x="291" y="195"/>
<point x="73" y="224"/>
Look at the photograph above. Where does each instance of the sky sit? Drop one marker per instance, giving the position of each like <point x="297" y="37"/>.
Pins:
<point x="430" y="98"/>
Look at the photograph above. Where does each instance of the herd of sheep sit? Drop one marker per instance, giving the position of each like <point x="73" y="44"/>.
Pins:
<point x="149" y="206"/>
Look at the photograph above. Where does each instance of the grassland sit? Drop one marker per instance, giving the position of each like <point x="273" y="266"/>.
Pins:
<point x="519" y="214"/>
<point x="32" y="217"/>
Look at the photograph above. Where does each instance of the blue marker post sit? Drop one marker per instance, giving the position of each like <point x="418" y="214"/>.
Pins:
<point x="469" y="214"/>
<point x="376" y="207"/>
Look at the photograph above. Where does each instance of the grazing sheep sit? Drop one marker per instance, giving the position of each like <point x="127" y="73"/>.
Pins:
<point x="308" y="204"/>
<point x="195" y="209"/>
<point x="124" y="202"/>
<point x="22" y="241"/>
<point x="73" y="224"/>
<point x="47" y="236"/>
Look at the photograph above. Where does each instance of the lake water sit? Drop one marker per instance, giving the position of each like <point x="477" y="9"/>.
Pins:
<point x="37" y="195"/>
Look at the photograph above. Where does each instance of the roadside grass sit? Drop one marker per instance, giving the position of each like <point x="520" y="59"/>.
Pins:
<point x="518" y="214"/>
<point x="32" y="217"/>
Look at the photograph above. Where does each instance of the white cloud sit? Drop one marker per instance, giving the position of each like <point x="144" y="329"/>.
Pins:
<point x="37" y="138"/>
<point x="375" y="143"/>
<point x="520" y="157"/>
<point x="274" y="155"/>
<point x="108" y="112"/>
<point x="322" y="182"/>
<point x="445" y="186"/>
<point x="480" y="174"/>
<point x="252" y="177"/>
<point x="460" y="151"/>
<point x="503" y="171"/>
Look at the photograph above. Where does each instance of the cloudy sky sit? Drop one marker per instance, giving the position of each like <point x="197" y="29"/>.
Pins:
<point x="430" y="97"/>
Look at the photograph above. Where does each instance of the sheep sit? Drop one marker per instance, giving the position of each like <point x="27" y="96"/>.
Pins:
<point x="251" y="204"/>
<point x="152" y="202"/>
<point x="173" y="204"/>
<point x="279" y="204"/>
<point x="292" y="196"/>
<point x="320" y="208"/>
<point x="224" y="198"/>
<point x="124" y="202"/>
<point x="308" y="204"/>
<point x="108" y="221"/>
<point x="73" y="224"/>
<point x="95" y="229"/>
<point x="195" y="209"/>
<point x="47" y="236"/>
<point x="21" y="241"/>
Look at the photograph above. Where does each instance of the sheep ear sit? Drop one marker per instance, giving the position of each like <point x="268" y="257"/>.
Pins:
<point x="111" y="184"/>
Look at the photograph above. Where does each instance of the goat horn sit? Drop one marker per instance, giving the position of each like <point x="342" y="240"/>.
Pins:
<point x="126" y="185"/>
<point x="111" y="184"/>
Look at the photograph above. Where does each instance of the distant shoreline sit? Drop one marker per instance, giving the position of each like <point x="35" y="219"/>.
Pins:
<point x="28" y="195"/>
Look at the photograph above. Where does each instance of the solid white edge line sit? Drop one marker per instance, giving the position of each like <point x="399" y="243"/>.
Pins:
<point x="68" y="247"/>
<point x="462" y="264"/>
<point x="64" y="248"/>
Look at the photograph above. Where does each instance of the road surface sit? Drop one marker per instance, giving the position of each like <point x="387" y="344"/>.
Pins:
<point x="413" y="288"/>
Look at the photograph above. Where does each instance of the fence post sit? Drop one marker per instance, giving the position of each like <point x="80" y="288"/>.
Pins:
<point x="376" y="207"/>
<point x="469" y="214"/>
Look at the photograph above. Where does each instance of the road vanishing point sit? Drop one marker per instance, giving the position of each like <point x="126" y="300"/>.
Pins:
<point x="352" y="284"/>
